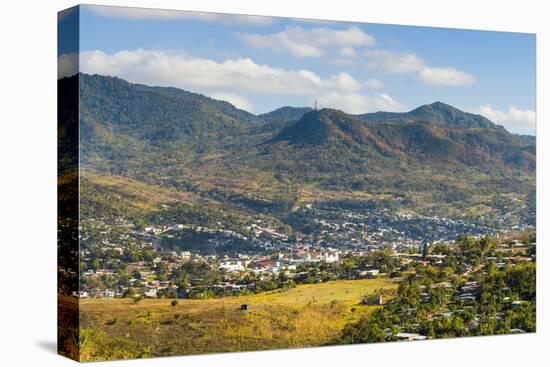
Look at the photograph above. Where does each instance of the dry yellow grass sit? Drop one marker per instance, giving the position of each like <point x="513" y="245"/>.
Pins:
<point x="308" y="315"/>
<point x="138" y="194"/>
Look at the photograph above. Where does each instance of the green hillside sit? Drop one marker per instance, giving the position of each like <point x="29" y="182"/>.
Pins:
<point x="435" y="113"/>
<point x="435" y="160"/>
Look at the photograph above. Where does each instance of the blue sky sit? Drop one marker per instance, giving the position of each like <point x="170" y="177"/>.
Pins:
<point x="261" y="63"/>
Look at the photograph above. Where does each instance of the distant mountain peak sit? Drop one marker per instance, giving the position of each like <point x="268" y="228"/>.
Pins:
<point x="437" y="108"/>
<point x="441" y="105"/>
<point x="436" y="113"/>
<point x="126" y="127"/>
<point x="321" y="126"/>
<point x="327" y="112"/>
<point x="285" y="114"/>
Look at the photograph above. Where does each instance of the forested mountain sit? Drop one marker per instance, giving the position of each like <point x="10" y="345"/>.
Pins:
<point x="434" y="159"/>
<point x="446" y="142"/>
<point x="284" y="115"/>
<point x="119" y="113"/>
<point x="435" y="113"/>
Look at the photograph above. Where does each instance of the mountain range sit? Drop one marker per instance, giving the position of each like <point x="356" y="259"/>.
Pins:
<point x="435" y="158"/>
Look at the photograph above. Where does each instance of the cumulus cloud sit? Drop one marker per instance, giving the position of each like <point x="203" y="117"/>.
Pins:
<point x="514" y="120"/>
<point x="409" y="63"/>
<point x="374" y="83"/>
<point x="347" y="52"/>
<point x="162" y="14"/>
<point x="394" y="63"/>
<point x="446" y="76"/>
<point x="201" y="74"/>
<point x="236" y="100"/>
<point x="357" y="103"/>
<point x="311" y="42"/>
<point x="233" y="79"/>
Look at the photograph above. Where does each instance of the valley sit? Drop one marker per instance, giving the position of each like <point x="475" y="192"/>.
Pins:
<point x="327" y="227"/>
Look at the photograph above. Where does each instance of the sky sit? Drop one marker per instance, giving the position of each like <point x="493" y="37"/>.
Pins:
<point x="262" y="63"/>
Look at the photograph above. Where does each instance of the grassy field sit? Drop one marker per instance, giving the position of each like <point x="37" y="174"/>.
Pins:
<point x="308" y="315"/>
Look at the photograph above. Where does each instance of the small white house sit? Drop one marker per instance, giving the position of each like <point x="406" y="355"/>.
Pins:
<point x="370" y="273"/>
<point x="151" y="293"/>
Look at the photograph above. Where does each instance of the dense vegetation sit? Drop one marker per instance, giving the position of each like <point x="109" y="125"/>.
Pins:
<point x="435" y="160"/>
<point x="436" y="113"/>
<point x="165" y="171"/>
<point x="428" y="300"/>
<point x="474" y="287"/>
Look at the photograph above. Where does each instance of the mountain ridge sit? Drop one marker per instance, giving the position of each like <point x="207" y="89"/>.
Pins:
<point x="418" y="139"/>
<point x="436" y="112"/>
<point x="121" y="120"/>
<point x="270" y="164"/>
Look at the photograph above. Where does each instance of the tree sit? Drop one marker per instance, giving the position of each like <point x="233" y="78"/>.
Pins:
<point x="523" y="317"/>
<point x="139" y="224"/>
<point x="129" y="293"/>
<point x="425" y="250"/>
<point x="136" y="274"/>
<point x="366" y="330"/>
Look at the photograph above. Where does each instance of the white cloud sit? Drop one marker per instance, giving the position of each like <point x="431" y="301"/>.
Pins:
<point x="394" y="63"/>
<point x="206" y="75"/>
<point x="357" y="103"/>
<point x="409" y="63"/>
<point x="67" y="65"/>
<point x="162" y="14"/>
<point x="311" y="42"/>
<point x="238" y="101"/>
<point x="347" y="52"/>
<point x="514" y="120"/>
<point x="374" y="84"/>
<point x="446" y="76"/>
<point x="342" y="82"/>
<point x="233" y="79"/>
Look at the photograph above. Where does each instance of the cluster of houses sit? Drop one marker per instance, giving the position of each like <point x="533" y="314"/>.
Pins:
<point x="357" y="234"/>
<point x="235" y="268"/>
<point x="373" y="227"/>
<point x="285" y="261"/>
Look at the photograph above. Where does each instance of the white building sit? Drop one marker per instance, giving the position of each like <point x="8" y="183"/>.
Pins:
<point x="232" y="265"/>
<point x="152" y="293"/>
<point x="331" y="257"/>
